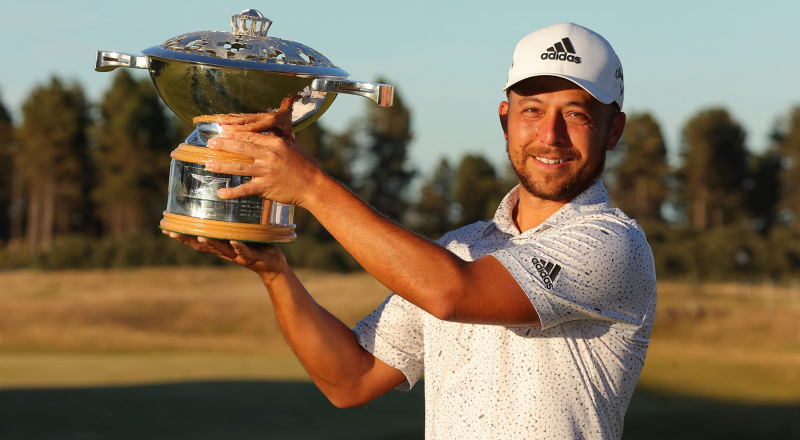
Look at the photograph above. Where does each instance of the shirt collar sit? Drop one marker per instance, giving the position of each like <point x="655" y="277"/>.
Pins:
<point x="593" y="198"/>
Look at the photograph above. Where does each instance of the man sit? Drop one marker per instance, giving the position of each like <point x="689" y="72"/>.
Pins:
<point x="532" y="325"/>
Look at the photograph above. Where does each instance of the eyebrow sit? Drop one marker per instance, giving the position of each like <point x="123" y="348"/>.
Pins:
<point x="584" y="105"/>
<point x="530" y="99"/>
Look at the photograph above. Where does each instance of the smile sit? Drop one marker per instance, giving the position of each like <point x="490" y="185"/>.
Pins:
<point x="551" y="161"/>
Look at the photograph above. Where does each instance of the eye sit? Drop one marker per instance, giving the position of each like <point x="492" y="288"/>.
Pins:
<point x="577" y="117"/>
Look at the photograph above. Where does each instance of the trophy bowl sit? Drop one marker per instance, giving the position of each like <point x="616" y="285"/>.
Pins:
<point x="200" y="75"/>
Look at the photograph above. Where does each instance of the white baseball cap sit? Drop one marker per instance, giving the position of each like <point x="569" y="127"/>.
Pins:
<point x="572" y="52"/>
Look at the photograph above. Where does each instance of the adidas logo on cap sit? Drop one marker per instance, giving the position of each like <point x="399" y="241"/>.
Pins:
<point x="582" y="56"/>
<point x="547" y="270"/>
<point x="562" y="51"/>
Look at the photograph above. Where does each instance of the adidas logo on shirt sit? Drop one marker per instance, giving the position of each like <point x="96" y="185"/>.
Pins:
<point x="562" y="51"/>
<point x="547" y="270"/>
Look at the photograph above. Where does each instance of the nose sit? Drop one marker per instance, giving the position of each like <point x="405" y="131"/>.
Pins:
<point x="553" y="130"/>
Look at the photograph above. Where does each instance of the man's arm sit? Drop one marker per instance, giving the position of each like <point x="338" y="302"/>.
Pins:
<point x="422" y="272"/>
<point x="344" y="371"/>
<point x="425" y="274"/>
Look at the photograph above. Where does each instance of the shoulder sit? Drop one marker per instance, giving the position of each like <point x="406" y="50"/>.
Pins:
<point x="607" y="246"/>
<point x="594" y="265"/>
<point x="606" y="229"/>
<point x="465" y="235"/>
<point x="597" y="243"/>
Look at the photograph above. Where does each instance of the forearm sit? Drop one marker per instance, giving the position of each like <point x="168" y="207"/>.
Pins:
<point x="417" y="269"/>
<point x="325" y="346"/>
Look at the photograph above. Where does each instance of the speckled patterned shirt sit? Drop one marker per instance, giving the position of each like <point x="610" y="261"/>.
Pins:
<point x="588" y="271"/>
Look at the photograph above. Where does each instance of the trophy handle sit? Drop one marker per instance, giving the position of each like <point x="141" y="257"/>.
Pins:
<point x="108" y="61"/>
<point x="382" y="94"/>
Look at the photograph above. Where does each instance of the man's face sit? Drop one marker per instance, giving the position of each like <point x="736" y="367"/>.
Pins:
<point x="557" y="136"/>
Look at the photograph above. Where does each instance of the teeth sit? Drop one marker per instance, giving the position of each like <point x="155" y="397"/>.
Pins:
<point x="550" y="161"/>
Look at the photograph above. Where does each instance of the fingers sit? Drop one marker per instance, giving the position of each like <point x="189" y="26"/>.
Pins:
<point x="244" y="143"/>
<point x="189" y="240"/>
<point x="221" y="249"/>
<point x="288" y="102"/>
<point x="246" y="118"/>
<point x="242" y="250"/>
<point x="280" y="120"/>
<point x="251" y="188"/>
<point x="237" y="168"/>
<point x="261" y="258"/>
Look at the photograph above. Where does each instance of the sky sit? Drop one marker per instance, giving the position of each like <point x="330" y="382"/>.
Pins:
<point x="448" y="60"/>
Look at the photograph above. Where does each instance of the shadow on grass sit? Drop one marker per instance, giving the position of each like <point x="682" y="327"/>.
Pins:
<point x="286" y="410"/>
<point x="655" y="416"/>
<point x="205" y="410"/>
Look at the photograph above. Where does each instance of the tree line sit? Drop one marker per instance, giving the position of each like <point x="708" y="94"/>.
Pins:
<point x="85" y="185"/>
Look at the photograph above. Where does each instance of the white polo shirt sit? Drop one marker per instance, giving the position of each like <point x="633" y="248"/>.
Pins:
<point x="588" y="271"/>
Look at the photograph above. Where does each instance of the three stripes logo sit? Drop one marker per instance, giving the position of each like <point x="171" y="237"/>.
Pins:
<point x="562" y="51"/>
<point x="547" y="270"/>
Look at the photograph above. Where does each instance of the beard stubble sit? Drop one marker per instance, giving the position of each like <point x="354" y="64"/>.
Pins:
<point x="557" y="187"/>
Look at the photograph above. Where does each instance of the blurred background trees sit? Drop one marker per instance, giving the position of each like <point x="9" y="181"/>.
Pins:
<point x="387" y="135"/>
<point x="85" y="185"/>
<point x="52" y="160"/>
<point x="713" y="170"/>
<point x="131" y="146"/>
<point x="6" y="179"/>
<point x="641" y="177"/>
<point x="786" y="151"/>
<point x="434" y="210"/>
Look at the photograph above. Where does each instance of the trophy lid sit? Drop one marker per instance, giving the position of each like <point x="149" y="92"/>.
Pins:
<point x="246" y="47"/>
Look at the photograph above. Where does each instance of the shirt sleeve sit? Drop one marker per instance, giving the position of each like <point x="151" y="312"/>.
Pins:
<point x="394" y="334"/>
<point x="601" y="268"/>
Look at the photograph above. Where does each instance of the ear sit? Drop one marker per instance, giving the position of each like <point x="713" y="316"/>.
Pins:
<point x="615" y="133"/>
<point x="503" y="113"/>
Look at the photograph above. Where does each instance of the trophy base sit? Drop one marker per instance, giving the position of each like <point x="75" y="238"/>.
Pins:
<point x="221" y="230"/>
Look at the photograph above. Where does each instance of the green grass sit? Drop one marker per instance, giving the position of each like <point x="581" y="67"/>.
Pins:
<point x="654" y="416"/>
<point x="723" y="380"/>
<point x="48" y="370"/>
<point x="297" y="410"/>
<point x="196" y="353"/>
<point x="207" y="410"/>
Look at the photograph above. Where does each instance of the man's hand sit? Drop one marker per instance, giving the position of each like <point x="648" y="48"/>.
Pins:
<point x="341" y="368"/>
<point x="278" y="122"/>
<point x="282" y="170"/>
<point x="265" y="260"/>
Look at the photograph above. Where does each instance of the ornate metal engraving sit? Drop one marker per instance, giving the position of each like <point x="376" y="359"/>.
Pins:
<point x="250" y="22"/>
<point x="229" y="46"/>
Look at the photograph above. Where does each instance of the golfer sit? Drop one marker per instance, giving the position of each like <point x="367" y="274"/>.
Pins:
<point x="534" y="324"/>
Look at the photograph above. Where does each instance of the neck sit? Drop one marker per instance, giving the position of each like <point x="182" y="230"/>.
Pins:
<point x="531" y="211"/>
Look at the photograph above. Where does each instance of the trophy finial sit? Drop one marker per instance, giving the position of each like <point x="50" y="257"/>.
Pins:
<point x="251" y="23"/>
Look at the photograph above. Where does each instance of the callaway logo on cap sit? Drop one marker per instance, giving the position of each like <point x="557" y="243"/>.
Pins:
<point x="572" y="52"/>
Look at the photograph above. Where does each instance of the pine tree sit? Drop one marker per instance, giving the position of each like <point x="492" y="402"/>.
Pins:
<point x="132" y="157"/>
<point x="640" y="184"/>
<point x="477" y="189"/>
<point x="714" y="169"/>
<point x="786" y="145"/>
<point x="332" y="153"/>
<point x="435" y="206"/>
<point x="763" y="190"/>
<point x="388" y="133"/>
<point x="52" y="159"/>
<point x="6" y="178"/>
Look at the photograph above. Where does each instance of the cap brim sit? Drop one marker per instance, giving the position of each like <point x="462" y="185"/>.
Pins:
<point x="585" y="85"/>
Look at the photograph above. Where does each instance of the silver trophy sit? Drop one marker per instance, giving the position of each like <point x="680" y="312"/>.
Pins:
<point x="201" y="75"/>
